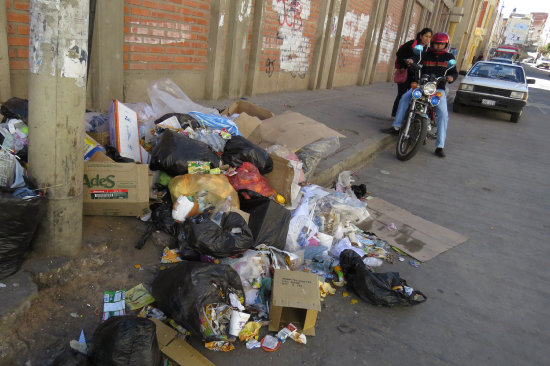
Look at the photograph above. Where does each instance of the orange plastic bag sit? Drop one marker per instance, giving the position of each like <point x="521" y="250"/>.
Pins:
<point x="249" y="177"/>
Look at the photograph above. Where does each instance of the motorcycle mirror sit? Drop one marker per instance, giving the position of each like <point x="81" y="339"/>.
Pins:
<point x="451" y="63"/>
<point x="418" y="49"/>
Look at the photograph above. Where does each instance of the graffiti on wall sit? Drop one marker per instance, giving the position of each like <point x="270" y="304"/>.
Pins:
<point x="388" y="39"/>
<point x="295" y="47"/>
<point x="353" y="29"/>
<point x="269" y="66"/>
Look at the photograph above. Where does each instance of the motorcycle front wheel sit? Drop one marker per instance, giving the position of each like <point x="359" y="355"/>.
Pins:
<point x="408" y="146"/>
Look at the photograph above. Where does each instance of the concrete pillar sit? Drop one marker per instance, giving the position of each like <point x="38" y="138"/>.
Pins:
<point x="325" y="54"/>
<point x="235" y="47"/>
<point x="378" y="16"/>
<point x="322" y="33"/>
<point x="401" y="32"/>
<point x="255" y="47"/>
<point x="340" y="7"/>
<point x="58" y="59"/>
<point x="218" y="25"/>
<point x="5" y="78"/>
<point x="107" y="64"/>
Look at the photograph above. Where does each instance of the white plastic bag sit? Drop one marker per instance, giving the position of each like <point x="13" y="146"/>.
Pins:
<point x="342" y="245"/>
<point x="300" y="230"/>
<point x="167" y="97"/>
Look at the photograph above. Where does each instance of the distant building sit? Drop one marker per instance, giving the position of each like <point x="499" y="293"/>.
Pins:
<point x="517" y="29"/>
<point x="536" y="29"/>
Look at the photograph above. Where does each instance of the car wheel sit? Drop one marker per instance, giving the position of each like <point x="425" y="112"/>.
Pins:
<point x="515" y="116"/>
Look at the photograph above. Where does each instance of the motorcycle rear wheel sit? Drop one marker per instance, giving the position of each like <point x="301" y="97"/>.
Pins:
<point x="407" y="147"/>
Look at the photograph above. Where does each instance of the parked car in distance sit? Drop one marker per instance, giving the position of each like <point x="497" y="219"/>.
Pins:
<point x="496" y="86"/>
<point x="502" y="59"/>
<point x="543" y="62"/>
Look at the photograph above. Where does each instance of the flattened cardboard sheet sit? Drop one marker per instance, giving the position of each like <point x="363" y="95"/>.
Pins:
<point x="420" y="238"/>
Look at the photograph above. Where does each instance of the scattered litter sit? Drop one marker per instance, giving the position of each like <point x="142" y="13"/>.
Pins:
<point x="270" y="343"/>
<point x="384" y="172"/>
<point x="250" y="331"/>
<point x="401" y="259"/>
<point x="170" y="256"/>
<point x="75" y="315"/>
<point x="137" y="266"/>
<point x="391" y="227"/>
<point x="345" y="294"/>
<point x="354" y="301"/>
<point x="414" y="263"/>
<point x="81" y="338"/>
<point x="2" y="285"/>
<point x="220" y="346"/>
<point x="253" y="343"/>
<point x="113" y="304"/>
<point x="138" y="297"/>
<point x="326" y="289"/>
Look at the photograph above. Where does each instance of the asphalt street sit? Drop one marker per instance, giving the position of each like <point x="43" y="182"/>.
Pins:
<point x="488" y="296"/>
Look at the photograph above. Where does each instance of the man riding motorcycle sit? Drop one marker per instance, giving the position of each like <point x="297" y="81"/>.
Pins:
<point x="434" y="61"/>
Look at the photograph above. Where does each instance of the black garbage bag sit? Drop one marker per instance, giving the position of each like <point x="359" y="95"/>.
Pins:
<point x="113" y="153"/>
<point x="125" y="341"/>
<point x="268" y="220"/>
<point x="205" y="236"/>
<point x="18" y="222"/>
<point x="15" y="108"/>
<point x="238" y="150"/>
<point x="173" y="151"/>
<point x="381" y="289"/>
<point x="183" y="290"/>
<point x="185" y="120"/>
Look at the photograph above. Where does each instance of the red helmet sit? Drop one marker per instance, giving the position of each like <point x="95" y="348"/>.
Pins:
<point x="440" y="37"/>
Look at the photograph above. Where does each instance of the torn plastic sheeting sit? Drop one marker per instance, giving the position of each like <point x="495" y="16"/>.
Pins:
<point x="173" y="151"/>
<point x="184" y="289"/>
<point x="216" y="122"/>
<point x="205" y="236"/>
<point x="125" y="341"/>
<point x="238" y="150"/>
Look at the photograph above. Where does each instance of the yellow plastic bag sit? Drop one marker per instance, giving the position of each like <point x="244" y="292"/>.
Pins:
<point x="249" y="331"/>
<point x="217" y="186"/>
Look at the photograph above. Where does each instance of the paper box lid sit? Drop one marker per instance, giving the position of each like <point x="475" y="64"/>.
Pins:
<point x="250" y="109"/>
<point x="296" y="289"/>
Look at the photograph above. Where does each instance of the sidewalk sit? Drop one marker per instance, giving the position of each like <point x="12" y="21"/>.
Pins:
<point x="357" y="112"/>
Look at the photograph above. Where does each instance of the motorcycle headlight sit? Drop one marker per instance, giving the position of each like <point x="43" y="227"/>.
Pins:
<point x="467" y="87"/>
<point x="430" y="88"/>
<point x="518" y="95"/>
<point x="417" y="93"/>
<point x="435" y="100"/>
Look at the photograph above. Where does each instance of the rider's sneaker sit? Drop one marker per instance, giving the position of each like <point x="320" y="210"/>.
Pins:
<point x="390" y="130"/>
<point x="439" y="152"/>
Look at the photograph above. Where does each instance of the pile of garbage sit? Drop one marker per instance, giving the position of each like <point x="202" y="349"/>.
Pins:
<point x="242" y="245"/>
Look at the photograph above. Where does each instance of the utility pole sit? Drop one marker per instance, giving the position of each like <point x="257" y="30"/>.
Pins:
<point x="58" y="59"/>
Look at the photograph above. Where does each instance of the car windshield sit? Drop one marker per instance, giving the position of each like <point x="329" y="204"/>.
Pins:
<point x="501" y="72"/>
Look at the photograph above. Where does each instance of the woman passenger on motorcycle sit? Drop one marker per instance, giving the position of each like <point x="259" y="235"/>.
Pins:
<point x="404" y="57"/>
<point x="434" y="61"/>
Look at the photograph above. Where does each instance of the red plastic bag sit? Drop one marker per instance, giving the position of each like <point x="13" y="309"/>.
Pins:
<point x="249" y="177"/>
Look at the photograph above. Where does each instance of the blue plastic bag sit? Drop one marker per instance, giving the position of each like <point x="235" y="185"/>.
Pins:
<point x="217" y="122"/>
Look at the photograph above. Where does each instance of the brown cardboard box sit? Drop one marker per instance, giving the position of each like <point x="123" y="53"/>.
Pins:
<point x="293" y="130"/>
<point x="116" y="189"/>
<point x="176" y="348"/>
<point x="295" y="299"/>
<point x="281" y="177"/>
<point x="249" y="119"/>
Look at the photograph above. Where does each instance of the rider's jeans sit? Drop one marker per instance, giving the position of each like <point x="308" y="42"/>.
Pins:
<point x="440" y="109"/>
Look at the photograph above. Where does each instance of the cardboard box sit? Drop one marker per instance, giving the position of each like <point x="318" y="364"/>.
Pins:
<point x="295" y="299"/>
<point x="293" y="130"/>
<point x="176" y="348"/>
<point x="102" y="138"/>
<point x="249" y="119"/>
<point x="116" y="189"/>
<point x="282" y="178"/>
<point x="124" y="131"/>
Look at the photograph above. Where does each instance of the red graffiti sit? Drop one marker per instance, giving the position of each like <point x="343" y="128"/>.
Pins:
<point x="292" y="14"/>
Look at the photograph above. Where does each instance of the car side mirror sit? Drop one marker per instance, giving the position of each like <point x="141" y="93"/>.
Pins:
<point x="462" y="72"/>
<point x="531" y="81"/>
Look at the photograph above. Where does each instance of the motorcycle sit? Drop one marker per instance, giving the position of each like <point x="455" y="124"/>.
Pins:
<point x="420" y="121"/>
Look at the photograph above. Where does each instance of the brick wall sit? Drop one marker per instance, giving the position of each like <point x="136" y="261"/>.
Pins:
<point x="17" y="14"/>
<point x="166" y="34"/>
<point x="288" y="37"/>
<point x="389" y="35"/>
<point x="354" y="32"/>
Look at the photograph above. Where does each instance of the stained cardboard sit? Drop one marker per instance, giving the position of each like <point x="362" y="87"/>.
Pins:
<point x="293" y="130"/>
<point x="296" y="299"/>
<point x="177" y="349"/>
<point x="243" y="106"/>
<point x="421" y="239"/>
<point x="249" y="119"/>
<point x="116" y="189"/>
<point x="282" y="177"/>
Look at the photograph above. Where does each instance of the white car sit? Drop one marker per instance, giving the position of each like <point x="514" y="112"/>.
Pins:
<point x="543" y="62"/>
<point x="494" y="85"/>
